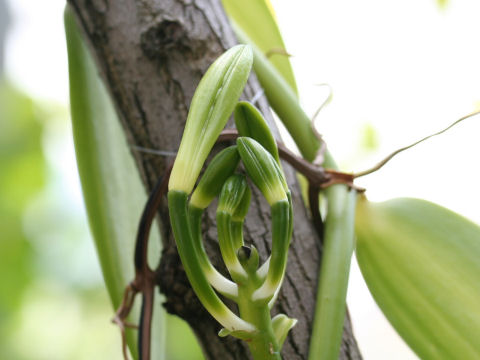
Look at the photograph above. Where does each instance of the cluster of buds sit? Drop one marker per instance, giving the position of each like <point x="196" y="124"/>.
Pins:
<point x="251" y="286"/>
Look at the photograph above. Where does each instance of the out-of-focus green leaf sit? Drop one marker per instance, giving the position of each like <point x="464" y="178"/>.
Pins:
<point x="22" y="166"/>
<point x="421" y="264"/>
<point x="284" y="102"/>
<point x="181" y="342"/>
<point x="256" y="19"/>
<point x="112" y="189"/>
<point x="22" y="176"/>
<point x="442" y="4"/>
<point x="369" y="138"/>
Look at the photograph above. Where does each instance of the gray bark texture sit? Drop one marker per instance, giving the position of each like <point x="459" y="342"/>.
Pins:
<point x="152" y="54"/>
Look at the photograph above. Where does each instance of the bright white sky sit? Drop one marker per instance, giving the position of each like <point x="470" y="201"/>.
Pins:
<point x="404" y="67"/>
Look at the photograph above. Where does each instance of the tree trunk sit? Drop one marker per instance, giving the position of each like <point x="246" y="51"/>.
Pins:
<point x="152" y="55"/>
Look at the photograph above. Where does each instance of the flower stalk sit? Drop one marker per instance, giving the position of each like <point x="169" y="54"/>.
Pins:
<point x="253" y="290"/>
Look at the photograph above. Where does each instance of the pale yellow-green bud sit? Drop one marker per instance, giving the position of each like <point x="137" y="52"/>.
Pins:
<point x="212" y="104"/>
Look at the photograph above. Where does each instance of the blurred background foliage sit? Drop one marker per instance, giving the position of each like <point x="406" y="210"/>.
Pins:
<point x="51" y="292"/>
<point x="42" y="233"/>
<point x="53" y="303"/>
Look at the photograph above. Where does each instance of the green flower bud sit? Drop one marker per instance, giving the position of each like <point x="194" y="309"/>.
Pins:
<point x="220" y="168"/>
<point x="242" y="208"/>
<point x="251" y="123"/>
<point x="421" y="264"/>
<point x="212" y="104"/>
<point x="249" y="258"/>
<point x="280" y="242"/>
<point x="234" y="190"/>
<point x="193" y="265"/>
<point x="231" y="197"/>
<point x="262" y="169"/>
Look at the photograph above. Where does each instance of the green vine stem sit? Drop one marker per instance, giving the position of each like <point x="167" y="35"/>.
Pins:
<point x="332" y="287"/>
<point x="264" y="346"/>
<point x="243" y="265"/>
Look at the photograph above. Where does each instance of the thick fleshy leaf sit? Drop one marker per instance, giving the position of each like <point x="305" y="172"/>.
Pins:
<point x="421" y="263"/>
<point x="257" y="20"/>
<point x="112" y="189"/>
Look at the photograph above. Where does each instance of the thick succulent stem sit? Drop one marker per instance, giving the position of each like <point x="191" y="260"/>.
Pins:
<point x="264" y="345"/>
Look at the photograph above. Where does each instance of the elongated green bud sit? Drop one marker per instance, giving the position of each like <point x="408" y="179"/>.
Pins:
<point x="278" y="261"/>
<point x="242" y="208"/>
<point x="177" y="204"/>
<point x="421" y="264"/>
<point x="249" y="258"/>
<point x="212" y="104"/>
<point x="262" y="169"/>
<point x="238" y="217"/>
<point x="224" y="286"/>
<point x="220" y="168"/>
<point x="231" y="197"/>
<point x="251" y="123"/>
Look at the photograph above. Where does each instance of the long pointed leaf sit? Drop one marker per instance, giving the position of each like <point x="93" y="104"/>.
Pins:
<point x="420" y="262"/>
<point x="112" y="189"/>
<point x="257" y="19"/>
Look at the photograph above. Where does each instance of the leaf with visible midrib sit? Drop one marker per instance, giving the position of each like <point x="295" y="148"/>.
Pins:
<point x="420" y="262"/>
<point x="113" y="192"/>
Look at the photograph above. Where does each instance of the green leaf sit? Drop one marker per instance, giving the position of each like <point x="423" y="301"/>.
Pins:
<point x="23" y="171"/>
<point x="257" y="20"/>
<point x="442" y="4"/>
<point x="281" y="326"/>
<point x="112" y="189"/>
<point x="285" y="103"/>
<point x="245" y="335"/>
<point x="421" y="264"/>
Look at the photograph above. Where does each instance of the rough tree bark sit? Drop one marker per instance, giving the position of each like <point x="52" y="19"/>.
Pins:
<point x="152" y="54"/>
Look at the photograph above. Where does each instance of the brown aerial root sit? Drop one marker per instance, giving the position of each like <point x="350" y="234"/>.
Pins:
<point x="123" y="312"/>
<point x="144" y="281"/>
